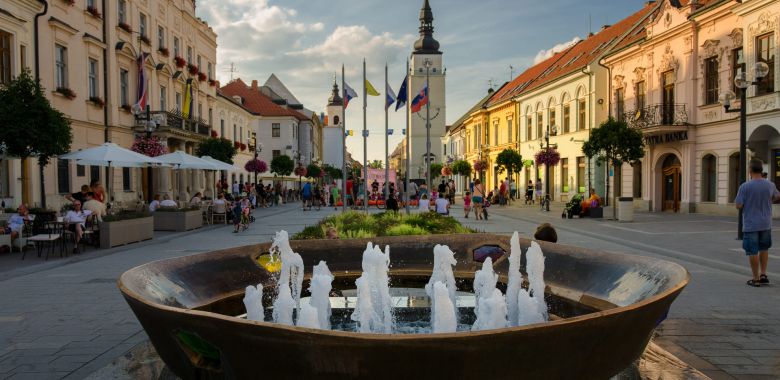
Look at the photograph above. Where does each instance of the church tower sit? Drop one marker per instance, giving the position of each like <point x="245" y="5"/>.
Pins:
<point x="426" y="63"/>
<point x="332" y="138"/>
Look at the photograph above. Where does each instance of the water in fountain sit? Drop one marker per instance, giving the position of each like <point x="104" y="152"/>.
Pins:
<point x="284" y="305"/>
<point x="535" y="268"/>
<point x="320" y="286"/>
<point x="309" y="317"/>
<point x="515" y="282"/>
<point x="253" y="301"/>
<point x="484" y="281"/>
<point x="443" y="261"/>
<point x="443" y="319"/>
<point x="290" y="280"/>
<point x="490" y="305"/>
<point x="373" y="312"/>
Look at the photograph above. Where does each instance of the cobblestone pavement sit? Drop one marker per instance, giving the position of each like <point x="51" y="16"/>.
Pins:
<point x="66" y="318"/>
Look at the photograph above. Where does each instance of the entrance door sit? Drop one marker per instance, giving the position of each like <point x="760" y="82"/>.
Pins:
<point x="667" y="111"/>
<point x="671" y="184"/>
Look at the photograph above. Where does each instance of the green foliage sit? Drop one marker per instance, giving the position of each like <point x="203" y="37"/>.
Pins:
<point x="509" y="160"/>
<point x="376" y="164"/>
<point x="30" y="125"/>
<point x="126" y="215"/>
<point x="354" y="225"/>
<point x="282" y="165"/>
<point x="333" y="173"/>
<point x="311" y="232"/>
<point x="461" y="167"/>
<point x="356" y="234"/>
<point x="615" y="142"/>
<point x="313" y="171"/>
<point x="436" y="170"/>
<point x="405" y="229"/>
<point x="217" y="148"/>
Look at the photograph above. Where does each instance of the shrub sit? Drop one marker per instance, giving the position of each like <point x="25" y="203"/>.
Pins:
<point x="126" y="215"/>
<point x="405" y="229"/>
<point x="354" y="224"/>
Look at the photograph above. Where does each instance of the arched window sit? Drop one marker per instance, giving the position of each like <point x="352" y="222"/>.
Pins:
<point x="709" y="178"/>
<point x="733" y="176"/>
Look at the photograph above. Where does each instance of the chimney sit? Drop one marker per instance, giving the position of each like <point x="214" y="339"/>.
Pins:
<point x="254" y="84"/>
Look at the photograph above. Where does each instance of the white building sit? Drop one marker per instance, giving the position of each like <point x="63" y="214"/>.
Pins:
<point x="332" y="133"/>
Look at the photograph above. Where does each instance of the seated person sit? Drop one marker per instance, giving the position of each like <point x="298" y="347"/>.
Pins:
<point x="16" y="222"/>
<point x="92" y="205"/>
<point x="425" y="203"/>
<point x="77" y="219"/>
<point x="155" y="203"/>
<point x="196" y="199"/>
<point x="592" y="201"/>
<point x="391" y="203"/>
<point x="168" y="202"/>
<point x="546" y="232"/>
<point x="442" y="206"/>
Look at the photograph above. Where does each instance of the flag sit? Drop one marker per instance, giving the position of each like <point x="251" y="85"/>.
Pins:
<point x="349" y="94"/>
<point x="350" y="132"/>
<point x="403" y="95"/>
<point x="389" y="97"/>
<point x="370" y="90"/>
<point x="420" y="100"/>
<point x="186" y="108"/>
<point x="389" y="132"/>
<point x="140" y="105"/>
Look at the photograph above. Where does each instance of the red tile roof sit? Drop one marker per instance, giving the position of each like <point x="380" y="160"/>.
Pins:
<point x="256" y="102"/>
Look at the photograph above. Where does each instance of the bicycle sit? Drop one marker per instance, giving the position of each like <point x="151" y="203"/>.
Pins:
<point x="377" y="199"/>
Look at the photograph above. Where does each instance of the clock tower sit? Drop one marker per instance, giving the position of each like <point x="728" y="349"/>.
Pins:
<point x="332" y="137"/>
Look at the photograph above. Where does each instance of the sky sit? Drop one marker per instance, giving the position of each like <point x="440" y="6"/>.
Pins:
<point x="304" y="42"/>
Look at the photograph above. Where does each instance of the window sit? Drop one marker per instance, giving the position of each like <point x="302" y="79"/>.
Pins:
<point x="94" y="173"/>
<point x="124" y="96"/>
<point x="199" y="66"/>
<point x="209" y="73"/>
<point x="22" y="55"/>
<point x="126" y="186"/>
<point x="737" y="66"/>
<point x="200" y="110"/>
<point x="176" y="52"/>
<point x="620" y="105"/>
<point x="5" y="57"/>
<point x="495" y="133"/>
<point x="81" y="171"/>
<point x="566" y="118"/>
<point x="529" y="122"/>
<point x="235" y="133"/>
<point x="733" y="176"/>
<point x="637" y="180"/>
<point x="142" y="25"/>
<point x="90" y="3"/>
<point x="163" y="98"/>
<point x="641" y="91"/>
<point x="121" y="11"/>
<point x="581" y="175"/>
<point x="92" y="78"/>
<point x="222" y="128"/>
<point x="276" y="153"/>
<point x="189" y="54"/>
<point x="711" y="80"/>
<point x="160" y="37"/>
<point x="564" y="175"/>
<point x="178" y="101"/>
<point x="765" y="52"/>
<point x="509" y="130"/>
<point x="709" y="178"/>
<point x="211" y="115"/>
<point x="583" y="118"/>
<point x="552" y="119"/>
<point x="294" y="131"/>
<point x="276" y="130"/>
<point x="241" y="134"/>
<point x="63" y="177"/>
<point x="61" y="66"/>
<point x="539" y="121"/>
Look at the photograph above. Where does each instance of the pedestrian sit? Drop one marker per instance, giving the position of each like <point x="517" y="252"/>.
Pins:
<point x="235" y="188"/>
<point x="755" y="198"/>
<point x="538" y="188"/>
<point x="478" y="198"/>
<point x="529" y="193"/>
<point x="466" y="204"/>
<point x="334" y="191"/>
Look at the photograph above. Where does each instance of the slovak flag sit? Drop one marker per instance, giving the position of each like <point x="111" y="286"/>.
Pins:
<point x="349" y="94"/>
<point x="420" y="100"/>
<point x="140" y="105"/>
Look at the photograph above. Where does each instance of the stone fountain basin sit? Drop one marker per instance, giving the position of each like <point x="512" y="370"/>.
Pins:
<point x="606" y="307"/>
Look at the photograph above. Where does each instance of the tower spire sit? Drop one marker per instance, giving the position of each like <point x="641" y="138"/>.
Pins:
<point x="426" y="44"/>
<point x="335" y="98"/>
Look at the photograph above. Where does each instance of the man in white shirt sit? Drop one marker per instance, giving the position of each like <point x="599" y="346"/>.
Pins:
<point x="168" y="202"/>
<point x="77" y="219"/>
<point x="442" y="206"/>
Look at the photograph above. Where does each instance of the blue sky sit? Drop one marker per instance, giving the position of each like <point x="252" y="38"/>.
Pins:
<point x="305" y="41"/>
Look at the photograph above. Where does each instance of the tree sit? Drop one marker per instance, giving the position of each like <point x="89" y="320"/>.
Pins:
<point x="376" y="164"/>
<point x="282" y="165"/>
<point x="435" y="170"/>
<point x="614" y="143"/>
<point x="461" y="167"/>
<point x="217" y="148"/>
<point x="30" y="125"/>
<point x="313" y="171"/>
<point x="333" y="173"/>
<point x="509" y="160"/>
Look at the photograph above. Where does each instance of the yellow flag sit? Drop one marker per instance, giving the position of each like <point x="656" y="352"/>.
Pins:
<point x="370" y="90"/>
<point x="187" y="106"/>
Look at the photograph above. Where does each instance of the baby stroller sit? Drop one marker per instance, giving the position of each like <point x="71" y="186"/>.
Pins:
<point x="573" y="207"/>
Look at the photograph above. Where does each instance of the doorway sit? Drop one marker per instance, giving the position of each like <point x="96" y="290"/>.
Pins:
<point x="671" y="184"/>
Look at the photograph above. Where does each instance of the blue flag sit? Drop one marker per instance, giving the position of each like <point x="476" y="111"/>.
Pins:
<point x="389" y="97"/>
<point x="403" y="94"/>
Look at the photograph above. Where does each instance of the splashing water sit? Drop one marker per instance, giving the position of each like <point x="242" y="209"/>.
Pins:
<point x="443" y="319"/>
<point x="535" y="268"/>
<point x="308" y="317"/>
<point x="373" y="312"/>
<point x="515" y="279"/>
<point x="290" y="280"/>
<point x="484" y="282"/>
<point x="492" y="312"/>
<point x="320" y="286"/>
<point x="530" y="312"/>
<point x="284" y="305"/>
<point x="443" y="261"/>
<point x="253" y="301"/>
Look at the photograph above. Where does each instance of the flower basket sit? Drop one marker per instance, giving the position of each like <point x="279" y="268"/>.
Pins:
<point x="213" y="134"/>
<point x="66" y="92"/>
<point x="150" y="146"/>
<point x="164" y="51"/>
<point x="213" y="82"/>
<point x="126" y="107"/>
<point x="256" y="166"/>
<point x="300" y="171"/>
<point x="237" y="145"/>
<point x="145" y="40"/>
<point x="179" y="61"/>
<point x="192" y="69"/>
<point x="94" y="12"/>
<point x="446" y="171"/>
<point x="480" y="165"/>
<point x="243" y="147"/>
<point x="125" y="26"/>
<point x="96" y="100"/>
<point x="202" y="77"/>
<point x="549" y="157"/>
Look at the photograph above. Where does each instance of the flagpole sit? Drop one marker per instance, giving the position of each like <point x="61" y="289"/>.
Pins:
<point x="408" y="115"/>
<point x="343" y="142"/>
<point x="365" y="137"/>
<point x="387" y="162"/>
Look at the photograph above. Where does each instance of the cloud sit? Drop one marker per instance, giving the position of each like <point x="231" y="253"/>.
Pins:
<point x="545" y="54"/>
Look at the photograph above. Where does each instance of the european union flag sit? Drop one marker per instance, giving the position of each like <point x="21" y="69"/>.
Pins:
<point x="403" y="94"/>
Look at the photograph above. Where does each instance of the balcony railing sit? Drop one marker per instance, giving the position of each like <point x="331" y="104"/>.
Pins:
<point x="657" y="115"/>
<point x="175" y="120"/>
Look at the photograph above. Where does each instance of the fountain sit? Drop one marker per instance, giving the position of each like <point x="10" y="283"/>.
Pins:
<point x="569" y="313"/>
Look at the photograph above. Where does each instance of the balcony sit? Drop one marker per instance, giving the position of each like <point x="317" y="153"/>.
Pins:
<point x="174" y="121"/>
<point x="658" y="118"/>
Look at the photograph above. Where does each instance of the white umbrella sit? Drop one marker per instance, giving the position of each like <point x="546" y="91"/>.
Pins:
<point x="221" y="165"/>
<point x="183" y="160"/>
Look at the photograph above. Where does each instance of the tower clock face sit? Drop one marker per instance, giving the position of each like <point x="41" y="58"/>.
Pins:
<point x="336" y="120"/>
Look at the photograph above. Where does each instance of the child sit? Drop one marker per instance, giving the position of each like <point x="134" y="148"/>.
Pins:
<point x="245" y="209"/>
<point x="546" y="232"/>
<point x="238" y="210"/>
<point x="467" y="204"/>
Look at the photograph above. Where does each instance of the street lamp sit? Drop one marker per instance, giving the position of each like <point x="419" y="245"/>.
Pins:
<point x="554" y="131"/>
<point x="428" y="63"/>
<point x="760" y="71"/>
<point x="149" y="127"/>
<point x="252" y="142"/>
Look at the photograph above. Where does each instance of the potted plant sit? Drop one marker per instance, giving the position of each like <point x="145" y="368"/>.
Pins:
<point x="126" y="227"/>
<point x="256" y="166"/>
<point x="126" y="107"/>
<point x="150" y="146"/>
<point x="177" y="219"/>
<point x="202" y="77"/>
<point x="164" y="51"/>
<point x="66" y="92"/>
<point x="548" y="156"/>
<point x="213" y="134"/>
<point x="125" y="26"/>
<point x="179" y="61"/>
<point x="97" y="101"/>
<point x="145" y="39"/>
<point x="243" y="147"/>
<point x="192" y="69"/>
<point x="94" y="11"/>
<point x="212" y="82"/>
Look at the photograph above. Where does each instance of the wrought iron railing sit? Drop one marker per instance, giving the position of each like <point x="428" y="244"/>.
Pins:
<point x="174" y="119"/>
<point x="657" y="115"/>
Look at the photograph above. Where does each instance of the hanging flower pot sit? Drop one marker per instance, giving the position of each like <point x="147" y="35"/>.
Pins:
<point x="446" y="171"/>
<point x="256" y="166"/>
<point x="180" y="62"/>
<point x="149" y="146"/>
<point x="300" y="171"/>
<point x="480" y="165"/>
<point x="549" y="157"/>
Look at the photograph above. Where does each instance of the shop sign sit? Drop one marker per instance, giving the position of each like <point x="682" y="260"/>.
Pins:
<point x="666" y="138"/>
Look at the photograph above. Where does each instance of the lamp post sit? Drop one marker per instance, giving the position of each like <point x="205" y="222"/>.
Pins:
<point x="255" y="148"/>
<point x="428" y="63"/>
<point x="546" y="147"/>
<point x="149" y="127"/>
<point x="760" y="71"/>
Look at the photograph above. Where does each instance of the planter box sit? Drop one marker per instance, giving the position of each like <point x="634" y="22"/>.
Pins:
<point x="178" y="220"/>
<point x="127" y="231"/>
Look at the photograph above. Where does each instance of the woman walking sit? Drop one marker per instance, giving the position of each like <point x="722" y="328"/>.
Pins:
<point x="478" y="198"/>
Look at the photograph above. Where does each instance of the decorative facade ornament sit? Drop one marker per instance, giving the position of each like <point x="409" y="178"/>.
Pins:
<point x="736" y="37"/>
<point x="688" y="43"/>
<point x="764" y="104"/>
<point x="710" y="48"/>
<point x="667" y="19"/>
<point x="619" y="81"/>
<point x="668" y="61"/>
<point x="764" y="24"/>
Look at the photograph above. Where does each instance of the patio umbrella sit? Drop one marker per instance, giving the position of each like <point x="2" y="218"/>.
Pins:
<point x="219" y="166"/>
<point x="110" y="155"/>
<point x="182" y="160"/>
